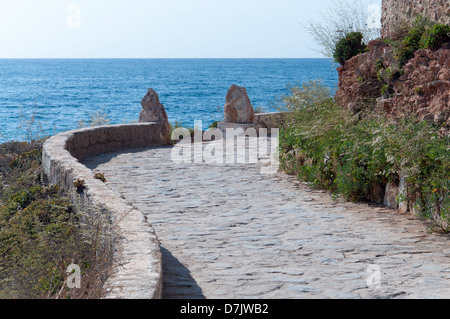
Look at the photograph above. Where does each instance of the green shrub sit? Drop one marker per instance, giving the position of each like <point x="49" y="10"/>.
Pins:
<point x="336" y="150"/>
<point x="309" y="93"/>
<point x="41" y="235"/>
<point x="435" y="37"/>
<point x="100" y="176"/>
<point x="408" y="45"/>
<point x="379" y="64"/>
<point x="435" y="205"/>
<point x="385" y="89"/>
<point x="349" y="46"/>
<point x="79" y="184"/>
<point x="214" y="124"/>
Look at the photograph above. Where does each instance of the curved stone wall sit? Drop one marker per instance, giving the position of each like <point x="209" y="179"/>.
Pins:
<point x="139" y="273"/>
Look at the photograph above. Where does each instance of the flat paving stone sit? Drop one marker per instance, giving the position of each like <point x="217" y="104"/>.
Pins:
<point x="229" y="231"/>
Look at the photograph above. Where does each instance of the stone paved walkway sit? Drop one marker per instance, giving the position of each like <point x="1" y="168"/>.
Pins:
<point x="228" y="231"/>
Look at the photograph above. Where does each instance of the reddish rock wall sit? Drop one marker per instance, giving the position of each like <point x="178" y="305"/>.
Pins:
<point x="358" y="79"/>
<point x="423" y="89"/>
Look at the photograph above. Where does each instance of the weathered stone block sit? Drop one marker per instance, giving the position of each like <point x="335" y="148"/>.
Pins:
<point x="238" y="108"/>
<point x="154" y="111"/>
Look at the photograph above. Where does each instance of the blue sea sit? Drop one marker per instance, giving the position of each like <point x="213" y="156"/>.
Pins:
<point x="58" y="93"/>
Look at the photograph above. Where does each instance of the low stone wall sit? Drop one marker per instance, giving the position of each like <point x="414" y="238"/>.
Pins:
<point x="139" y="274"/>
<point x="261" y="120"/>
<point x="269" y="120"/>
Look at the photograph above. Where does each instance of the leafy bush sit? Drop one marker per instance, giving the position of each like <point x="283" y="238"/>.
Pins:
<point x="408" y="45"/>
<point x="41" y="235"/>
<point x="214" y="124"/>
<point x="435" y="37"/>
<point x="309" y="93"/>
<point x="343" y="17"/>
<point x="100" y="176"/>
<point x="336" y="150"/>
<point x="349" y="46"/>
<point x="435" y="205"/>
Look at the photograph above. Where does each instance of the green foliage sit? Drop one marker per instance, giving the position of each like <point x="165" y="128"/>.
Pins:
<point x="100" y="176"/>
<point x="37" y="237"/>
<point x="342" y="17"/>
<point x="79" y="184"/>
<point x="214" y="124"/>
<point x="349" y="46"/>
<point x="434" y="37"/>
<point x="333" y="149"/>
<point x="387" y="76"/>
<point x="309" y="93"/>
<point x="41" y="235"/>
<point x="423" y="34"/>
<point x="20" y="167"/>
<point x="435" y="205"/>
<point x="379" y="64"/>
<point x="385" y="89"/>
<point x="418" y="90"/>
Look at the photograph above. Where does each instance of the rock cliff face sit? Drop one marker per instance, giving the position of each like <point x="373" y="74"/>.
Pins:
<point x="358" y="78"/>
<point x="423" y="89"/>
<point x="420" y="87"/>
<point x="396" y="11"/>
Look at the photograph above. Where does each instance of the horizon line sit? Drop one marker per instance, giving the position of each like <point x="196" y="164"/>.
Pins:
<point x="172" y="58"/>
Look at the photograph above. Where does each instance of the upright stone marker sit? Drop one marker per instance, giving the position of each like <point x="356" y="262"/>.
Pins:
<point x="154" y="111"/>
<point x="238" y="108"/>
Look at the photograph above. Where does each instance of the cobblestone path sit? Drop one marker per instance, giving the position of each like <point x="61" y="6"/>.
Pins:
<point x="228" y="231"/>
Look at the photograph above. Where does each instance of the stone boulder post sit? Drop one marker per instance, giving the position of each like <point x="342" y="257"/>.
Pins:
<point x="154" y="111"/>
<point x="238" y="108"/>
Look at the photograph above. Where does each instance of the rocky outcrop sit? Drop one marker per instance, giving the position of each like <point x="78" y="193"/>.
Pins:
<point x="421" y="87"/>
<point x="154" y="111"/>
<point x="398" y="12"/>
<point x="238" y="108"/>
<point x="424" y="87"/>
<point x="358" y="79"/>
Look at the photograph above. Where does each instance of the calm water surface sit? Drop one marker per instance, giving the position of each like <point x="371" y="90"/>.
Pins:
<point x="62" y="92"/>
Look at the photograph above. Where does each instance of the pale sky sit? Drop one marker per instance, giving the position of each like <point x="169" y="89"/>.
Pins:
<point x="159" y="28"/>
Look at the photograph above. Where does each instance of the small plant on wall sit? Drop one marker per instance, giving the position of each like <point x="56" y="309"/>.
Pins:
<point x="100" y="176"/>
<point x="79" y="184"/>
